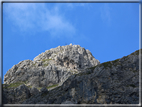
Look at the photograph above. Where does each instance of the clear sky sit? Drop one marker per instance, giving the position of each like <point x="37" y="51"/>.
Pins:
<point x="108" y="30"/>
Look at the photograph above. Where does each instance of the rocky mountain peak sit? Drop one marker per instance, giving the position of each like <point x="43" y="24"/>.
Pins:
<point x="51" y="67"/>
<point x="112" y="82"/>
<point x="70" y="56"/>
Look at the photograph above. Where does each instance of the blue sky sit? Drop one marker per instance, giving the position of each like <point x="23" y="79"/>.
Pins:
<point x="108" y="30"/>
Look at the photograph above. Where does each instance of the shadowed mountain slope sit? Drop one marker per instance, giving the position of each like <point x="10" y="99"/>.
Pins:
<point x="112" y="82"/>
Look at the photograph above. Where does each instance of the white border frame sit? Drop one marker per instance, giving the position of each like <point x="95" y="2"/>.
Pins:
<point x="77" y="1"/>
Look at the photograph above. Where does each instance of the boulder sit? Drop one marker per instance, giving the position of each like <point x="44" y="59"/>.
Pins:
<point x="43" y="90"/>
<point x="34" y="91"/>
<point x="22" y="92"/>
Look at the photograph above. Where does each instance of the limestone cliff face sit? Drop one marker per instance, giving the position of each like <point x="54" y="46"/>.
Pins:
<point x="51" y="67"/>
<point x="112" y="82"/>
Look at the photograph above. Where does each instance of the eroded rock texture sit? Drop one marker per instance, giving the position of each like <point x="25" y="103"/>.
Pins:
<point x="113" y="82"/>
<point x="53" y="66"/>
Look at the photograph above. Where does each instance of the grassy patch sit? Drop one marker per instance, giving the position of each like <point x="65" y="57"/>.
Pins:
<point x="38" y="88"/>
<point x="110" y="63"/>
<point x="136" y="52"/>
<point x="45" y="65"/>
<point x="89" y="72"/>
<point x="106" y="64"/>
<point x="25" y="82"/>
<point x="29" y="86"/>
<point x="115" y="61"/>
<point x="15" y="85"/>
<point x="92" y="68"/>
<point x="57" y="88"/>
<point x="34" y="64"/>
<point x="44" y="60"/>
<point x="75" y="72"/>
<point x="4" y="86"/>
<point x="52" y="86"/>
<point x="84" y="73"/>
<point x="48" y="87"/>
<point x="72" y="71"/>
<point x="80" y="74"/>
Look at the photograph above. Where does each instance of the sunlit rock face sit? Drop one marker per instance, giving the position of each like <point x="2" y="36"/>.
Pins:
<point x="51" y="67"/>
<point x="71" y="75"/>
<point x="70" y="56"/>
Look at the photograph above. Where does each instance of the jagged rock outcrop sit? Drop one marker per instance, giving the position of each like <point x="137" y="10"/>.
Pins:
<point x="112" y="82"/>
<point x="51" y="67"/>
<point x="16" y="95"/>
<point x="34" y="91"/>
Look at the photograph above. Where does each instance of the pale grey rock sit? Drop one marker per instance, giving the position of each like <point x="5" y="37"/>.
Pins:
<point x="53" y="66"/>
<point x="34" y="81"/>
<point x="69" y="56"/>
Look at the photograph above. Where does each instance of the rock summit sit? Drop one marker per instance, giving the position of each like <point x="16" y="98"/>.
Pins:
<point x="71" y="75"/>
<point x="51" y="67"/>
